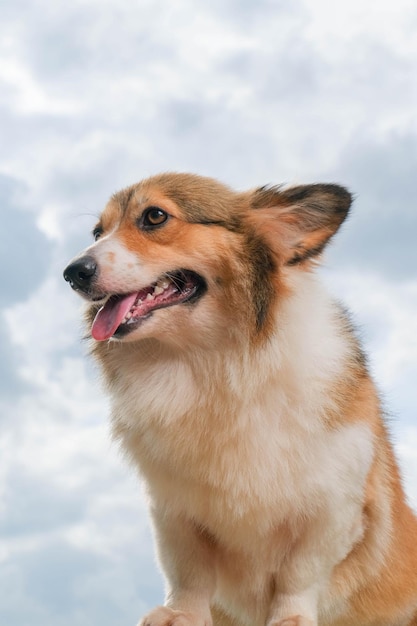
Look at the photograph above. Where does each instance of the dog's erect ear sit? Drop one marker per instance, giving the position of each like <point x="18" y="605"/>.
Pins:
<point x="299" y="221"/>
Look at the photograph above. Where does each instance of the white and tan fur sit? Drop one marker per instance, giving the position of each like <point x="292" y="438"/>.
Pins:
<point x="273" y="489"/>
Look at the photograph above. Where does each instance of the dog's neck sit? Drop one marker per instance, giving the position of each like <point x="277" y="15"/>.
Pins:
<point x="151" y="380"/>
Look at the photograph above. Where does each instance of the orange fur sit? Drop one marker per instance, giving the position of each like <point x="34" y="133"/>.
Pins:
<point x="249" y="411"/>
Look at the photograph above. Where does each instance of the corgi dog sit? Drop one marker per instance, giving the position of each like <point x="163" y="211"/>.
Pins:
<point x="240" y="392"/>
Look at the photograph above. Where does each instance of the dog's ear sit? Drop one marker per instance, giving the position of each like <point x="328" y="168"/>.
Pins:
<point x="299" y="221"/>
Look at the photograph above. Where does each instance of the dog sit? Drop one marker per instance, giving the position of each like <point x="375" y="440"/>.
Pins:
<point x="240" y="391"/>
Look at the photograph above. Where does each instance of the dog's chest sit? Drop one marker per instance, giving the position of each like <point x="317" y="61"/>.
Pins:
<point x="236" y="469"/>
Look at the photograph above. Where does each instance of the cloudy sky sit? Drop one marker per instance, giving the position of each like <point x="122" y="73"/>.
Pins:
<point x="95" y="95"/>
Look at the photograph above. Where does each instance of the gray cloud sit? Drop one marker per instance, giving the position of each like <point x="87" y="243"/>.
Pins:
<point x="60" y="585"/>
<point x="24" y="256"/>
<point x="10" y="383"/>
<point x="84" y="40"/>
<point x="381" y="233"/>
<point x="24" y="251"/>
<point x="46" y="578"/>
<point x="34" y="504"/>
<point x="246" y="12"/>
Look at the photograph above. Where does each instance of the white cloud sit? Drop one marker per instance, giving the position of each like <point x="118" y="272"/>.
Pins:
<point x="333" y="25"/>
<point x="26" y="94"/>
<point x="406" y="446"/>
<point x="386" y="313"/>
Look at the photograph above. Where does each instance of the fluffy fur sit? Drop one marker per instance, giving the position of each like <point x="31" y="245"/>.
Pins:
<point x="249" y="411"/>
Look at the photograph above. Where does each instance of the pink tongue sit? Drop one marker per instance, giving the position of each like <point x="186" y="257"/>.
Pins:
<point x="109" y="317"/>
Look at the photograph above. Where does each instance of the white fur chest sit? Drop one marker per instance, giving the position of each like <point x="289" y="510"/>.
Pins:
<point x="238" y="465"/>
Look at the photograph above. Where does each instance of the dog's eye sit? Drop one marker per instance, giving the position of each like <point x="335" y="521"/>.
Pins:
<point x="96" y="233"/>
<point x="153" y="217"/>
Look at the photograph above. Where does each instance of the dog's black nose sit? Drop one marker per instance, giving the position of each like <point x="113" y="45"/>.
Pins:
<point x="80" y="273"/>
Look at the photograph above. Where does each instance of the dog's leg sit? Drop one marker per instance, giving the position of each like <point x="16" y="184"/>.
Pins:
<point x="186" y="556"/>
<point x="307" y="571"/>
<point x="298" y="609"/>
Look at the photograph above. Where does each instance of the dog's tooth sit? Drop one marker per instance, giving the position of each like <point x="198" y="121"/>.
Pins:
<point x="158" y="290"/>
<point x="126" y="317"/>
<point x="149" y="297"/>
<point x="162" y="283"/>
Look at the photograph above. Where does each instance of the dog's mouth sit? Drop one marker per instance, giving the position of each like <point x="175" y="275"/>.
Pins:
<point x="123" y="313"/>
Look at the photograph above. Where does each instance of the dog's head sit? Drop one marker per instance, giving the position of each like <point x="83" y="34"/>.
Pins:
<point x="182" y="256"/>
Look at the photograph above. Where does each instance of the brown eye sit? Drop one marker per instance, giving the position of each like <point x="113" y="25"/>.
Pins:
<point x="153" y="217"/>
<point x="96" y="233"/>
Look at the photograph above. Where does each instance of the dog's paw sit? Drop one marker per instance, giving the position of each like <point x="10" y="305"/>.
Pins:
<point x="295" y="620"/>
<point x="164" y="616"/>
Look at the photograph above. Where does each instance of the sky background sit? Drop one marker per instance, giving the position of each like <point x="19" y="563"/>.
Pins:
<point x="94" y="96"/>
